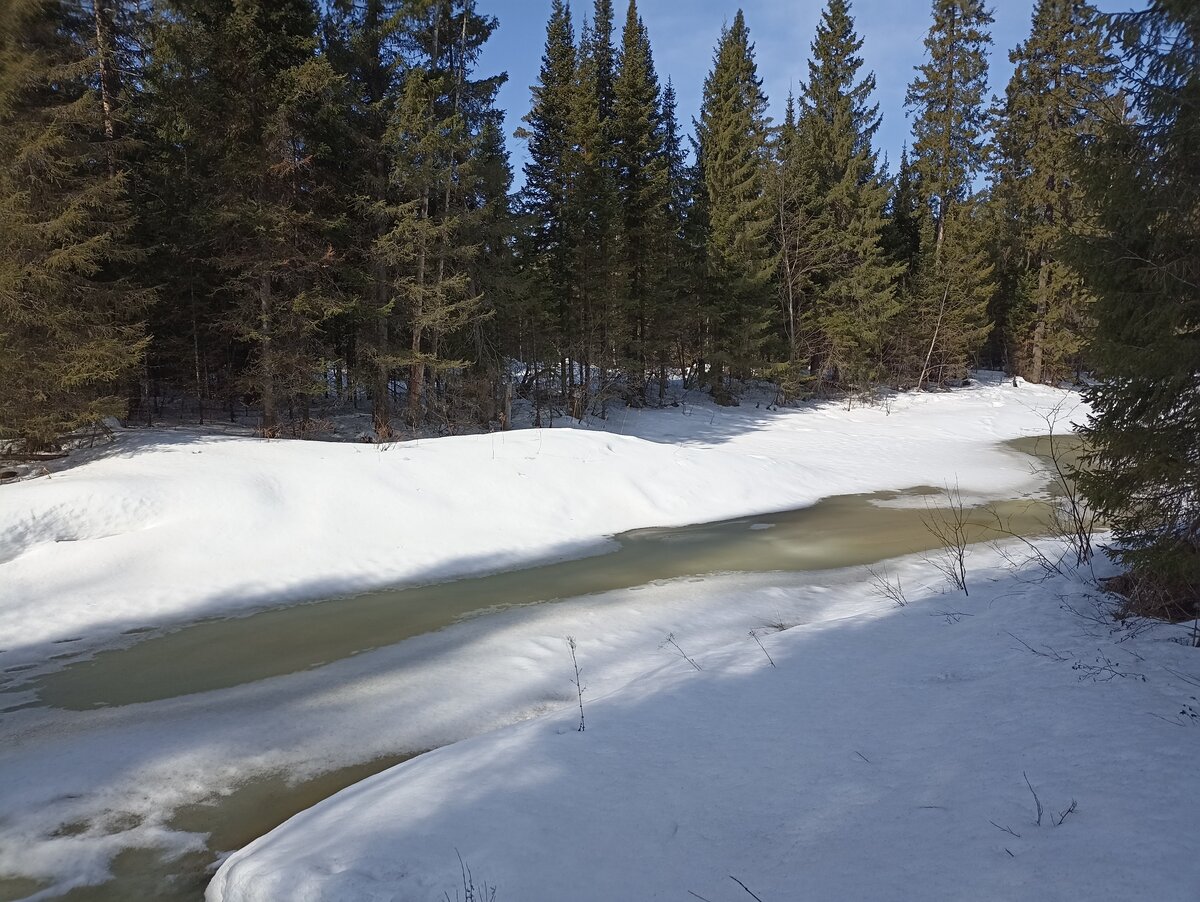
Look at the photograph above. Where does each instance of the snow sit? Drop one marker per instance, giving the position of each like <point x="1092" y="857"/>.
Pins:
<point x="884" y="757"/>
<point x="166" y="527"/>
<point x="683" y="777"/>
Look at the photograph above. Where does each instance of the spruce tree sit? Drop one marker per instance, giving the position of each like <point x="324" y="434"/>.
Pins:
<point x="644" y="189"/>
<point x="494" y="273"/>
<point x="598" y="322"/>
<point x="1141" y="259"/>
<point x="679" y="316"/>
<point x="952" y="287"/>
<point x="854" y="287"/>
<point x="364" y="41"/>
<point x="432" y="142"/>
<point x="732" y="137"/>
<point x="255" y="106"/>
<point x="69" y="310"/>
<point x="902" y="234"/>
<point x="804" y="237"/>
<point x="948" y="98"/>
<point x="1058" y="90"/>
<point x="546" y="241"/>
<point x="946" y="312"/>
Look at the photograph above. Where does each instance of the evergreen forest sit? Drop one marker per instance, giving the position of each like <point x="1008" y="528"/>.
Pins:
<point x="261" y="211"/>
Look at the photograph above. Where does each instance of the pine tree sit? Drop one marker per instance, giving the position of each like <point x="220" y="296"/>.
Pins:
<point x="594" y="212"/>
<point x="732" y="136"/>
<point x="950" y="129"/>
<point x="190" y="349"/>
<point x="803" y="232"/>
<point x="1058" y="89"/>
<point x="365" y="43"/>
<point x="432" y="143"/>
<point x="680" y="317"/>
<point x="1141" y="259"/>
<point x="854" y="287"/>
<point x="494" y="273"/>
<point x="69" y="311"/>
<point x="946" y="310"/>
<point x="252" y="107"/>
<point x="546" y="243"/>
<point x="644" y="190"/>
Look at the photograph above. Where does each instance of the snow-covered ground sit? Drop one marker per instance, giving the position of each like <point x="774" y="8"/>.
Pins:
<point x="683" y="777"/>
<point x="884" y="756"/>
<point x="166" y="527"/>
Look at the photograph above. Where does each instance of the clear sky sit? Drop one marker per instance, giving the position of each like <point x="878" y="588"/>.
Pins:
<point x="684" y="32"/>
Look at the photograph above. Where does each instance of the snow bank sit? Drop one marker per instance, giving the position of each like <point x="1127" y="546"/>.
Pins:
<point x="884" y="757"/>
<point x="171" y="526"/>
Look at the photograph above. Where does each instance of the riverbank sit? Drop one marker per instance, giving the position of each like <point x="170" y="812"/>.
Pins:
<point x="1001" y="746"/>
<point x="166" y="527"/>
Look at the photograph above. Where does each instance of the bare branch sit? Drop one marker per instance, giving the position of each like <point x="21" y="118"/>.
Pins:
<point x="1036" y="800"/>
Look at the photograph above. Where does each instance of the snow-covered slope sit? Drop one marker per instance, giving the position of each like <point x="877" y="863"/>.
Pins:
<point x="884" y="757"/>
<point x="170" y="526"/>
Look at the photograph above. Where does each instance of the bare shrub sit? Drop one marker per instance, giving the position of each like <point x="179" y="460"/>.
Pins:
<point x="469" y="892"/>
<point x="754" y="636"/>
<point x="670" y="641"/>
<point x="949" y="526"/>
<point x="571" y="644"/>
<point x="883" y="587"/>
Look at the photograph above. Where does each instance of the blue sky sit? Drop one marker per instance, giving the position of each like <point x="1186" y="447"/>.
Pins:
<point x="684" y="32"/>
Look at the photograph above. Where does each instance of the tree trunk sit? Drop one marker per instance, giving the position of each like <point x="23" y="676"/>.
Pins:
<point x="267" y="362"/>
<point x="1039" y="330"/>
<point x="110" y="79"/>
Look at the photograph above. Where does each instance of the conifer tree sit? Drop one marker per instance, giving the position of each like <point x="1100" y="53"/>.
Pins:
<point x="946" y="312"/>
<point x="547" y="236"/>
<point x="732" y="136"/>
<point x="69" y="312"/>
<point x="494" y="272"/>
<point x="854" y="286"/>
<point x="255" y="106"/>
<point x="803" y="232"/>
<point x="678" y="316"/>
<point x="643" y="174"/>
<point x="1141" y="259"/>
<point x="948" y="98"/>
<point x="1057" y="91"/>
<point x="594" y="212"/>
<point x="902" y="234"/>
<point x="432" y="142"/>
<point x="364" y="41"/>
<point x="951" y="289"/>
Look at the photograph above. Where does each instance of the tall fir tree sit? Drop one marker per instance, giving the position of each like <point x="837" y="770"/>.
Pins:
<point x="733" y="149"/>
<point x="1059" y="89"/>
<point x="949" y="99"/>
<point x="854" y="295"/>
<point x="902" y="235"/>
<point x="364" y="41"/>
<point x="1141" y="259"/>
<point x="598" y="324"/>
<point x="803" y="233"/>
<point x="433" y="141"/>
<point x="546" y="240"/>
<point x="644" y="193"/>
<point x="947" y="307"/>
<point x="946" y="313"/>
<point x="254" y="106"/>
<point x="678" y="317"/>
<point x="70" y="329"/>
